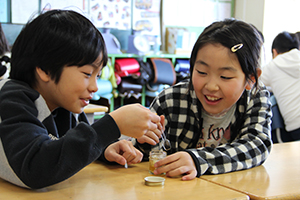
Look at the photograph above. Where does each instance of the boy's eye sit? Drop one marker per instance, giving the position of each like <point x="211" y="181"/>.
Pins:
<point x="87" y="74"/>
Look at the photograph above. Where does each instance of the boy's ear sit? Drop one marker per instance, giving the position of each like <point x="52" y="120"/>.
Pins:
<point x="42" y="74"/>
<point x="274" y="53"/>
<point x="251" y="83"/>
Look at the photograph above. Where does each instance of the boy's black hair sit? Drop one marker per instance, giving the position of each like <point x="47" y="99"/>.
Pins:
<point x="285" y="42"/>
<point x="53" y="40"/>
<point x="228" y="33"/>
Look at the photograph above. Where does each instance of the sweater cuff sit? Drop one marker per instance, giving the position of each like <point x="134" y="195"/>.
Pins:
<point x="197" y="163"/>
<point x="107" y="130"/>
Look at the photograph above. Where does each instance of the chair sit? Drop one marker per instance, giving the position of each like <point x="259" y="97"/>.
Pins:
<point x="277" y="125"/>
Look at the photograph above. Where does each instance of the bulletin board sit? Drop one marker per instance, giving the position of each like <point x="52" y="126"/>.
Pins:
<point x="115" y="14"/>
<point x="146" y="17"/>
<point x="125" y="16"/>
<point x="111" y="14"/>
<point x="80" y="6"/>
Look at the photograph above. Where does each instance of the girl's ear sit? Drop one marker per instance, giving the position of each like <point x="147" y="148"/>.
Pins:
<point x="250" y="84"/>
<point x="42" y="74"/>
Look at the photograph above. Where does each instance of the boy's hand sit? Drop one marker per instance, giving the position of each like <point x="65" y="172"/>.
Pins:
<point x="152" y="137"/>
<point x="177" y="164"/>
<point x="123" y="152"/>
<point x="134" y="120"/>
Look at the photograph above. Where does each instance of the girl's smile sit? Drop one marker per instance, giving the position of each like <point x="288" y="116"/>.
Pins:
<point x="212" y="100"/>
<point x="217" y="78"/>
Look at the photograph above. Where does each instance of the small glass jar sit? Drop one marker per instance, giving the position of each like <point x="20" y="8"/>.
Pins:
<point x="154" y="156"/>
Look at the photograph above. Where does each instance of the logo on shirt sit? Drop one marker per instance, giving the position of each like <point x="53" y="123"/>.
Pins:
<point x="213" y="137"/>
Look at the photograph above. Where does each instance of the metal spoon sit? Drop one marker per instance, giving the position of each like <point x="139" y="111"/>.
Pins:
<point x="166" y="144"/>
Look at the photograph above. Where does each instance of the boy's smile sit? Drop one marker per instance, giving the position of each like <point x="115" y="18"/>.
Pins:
<point x="217" y="78"/>
<point x="74" y="89"/>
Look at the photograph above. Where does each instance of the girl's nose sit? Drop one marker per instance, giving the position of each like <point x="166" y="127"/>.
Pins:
<point x="212" y="85"/>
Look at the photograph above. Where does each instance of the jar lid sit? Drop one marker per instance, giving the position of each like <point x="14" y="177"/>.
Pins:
<point x="154" y="181"/>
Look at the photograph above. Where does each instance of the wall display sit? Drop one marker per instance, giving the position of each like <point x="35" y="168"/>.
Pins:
<point x="146" y="17"/>
<point x="146" y="22"/>
<point x="125" y="17"/>
<point x="80" y="6"/>
<point x="111" y="14"/>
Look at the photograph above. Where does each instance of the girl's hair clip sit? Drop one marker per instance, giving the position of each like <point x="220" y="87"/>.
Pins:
<point x="236" y="47"/>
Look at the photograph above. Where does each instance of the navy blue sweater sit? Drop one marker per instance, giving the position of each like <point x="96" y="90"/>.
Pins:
<point x="39" y="148"/>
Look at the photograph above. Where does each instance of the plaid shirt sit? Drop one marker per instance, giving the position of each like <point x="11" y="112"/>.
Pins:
<point x="250" y="141"/>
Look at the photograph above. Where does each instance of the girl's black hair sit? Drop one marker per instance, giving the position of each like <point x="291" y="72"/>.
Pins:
<point x="229" y="33"/>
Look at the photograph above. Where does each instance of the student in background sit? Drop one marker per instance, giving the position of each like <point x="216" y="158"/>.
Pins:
<point x="56" y="61"/>
<point x="219" y="120"/>
<point x="282" y="75"/>
<point x="4" y="55"/>
<point x="298" y="36"/>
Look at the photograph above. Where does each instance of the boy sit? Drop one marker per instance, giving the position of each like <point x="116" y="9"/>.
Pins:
<point x="55" y="63"/>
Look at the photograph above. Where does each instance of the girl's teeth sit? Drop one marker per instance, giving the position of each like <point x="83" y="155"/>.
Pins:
<point x="212" y="98"/>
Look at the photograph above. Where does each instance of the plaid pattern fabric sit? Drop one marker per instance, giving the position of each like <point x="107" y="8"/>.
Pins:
<point x="250" y="141"/>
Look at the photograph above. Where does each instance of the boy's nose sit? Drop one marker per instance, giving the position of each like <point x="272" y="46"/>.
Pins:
<point x="93" y="86"/>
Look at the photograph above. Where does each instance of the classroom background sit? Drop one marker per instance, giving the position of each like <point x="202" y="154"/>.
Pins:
<point x="269" y="16"/>
<point x="147" y="29"/>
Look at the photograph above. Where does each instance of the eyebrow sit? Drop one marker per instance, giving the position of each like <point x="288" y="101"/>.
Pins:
<point x="97" y="65"/>
<point x="226" y="68"/>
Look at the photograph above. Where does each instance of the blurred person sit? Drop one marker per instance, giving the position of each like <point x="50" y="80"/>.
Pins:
<point x="282" y="75"/>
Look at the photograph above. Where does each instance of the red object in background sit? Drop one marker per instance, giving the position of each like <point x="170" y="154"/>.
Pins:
<point x="127" y="67"/>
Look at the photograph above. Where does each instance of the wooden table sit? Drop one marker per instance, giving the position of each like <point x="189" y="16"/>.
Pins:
<point x="114" y="182"/>
<point x="91" y="109"/>
<point x="277" y="178"/>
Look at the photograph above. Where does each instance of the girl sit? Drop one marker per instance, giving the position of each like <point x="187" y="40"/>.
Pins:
<point x="55" y="63"/>
<point x="219" y="120"/>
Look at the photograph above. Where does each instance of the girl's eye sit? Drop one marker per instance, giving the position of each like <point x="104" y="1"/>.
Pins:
<point x="202" y="73"/>
<point x="226" y="78"/>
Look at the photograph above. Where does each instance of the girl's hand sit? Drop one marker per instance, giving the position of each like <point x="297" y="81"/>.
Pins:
<point x="177" y="164"/>
<point x="152" y="137"/>
<point x="134" y="120"/>
<point x="123" y="152"/>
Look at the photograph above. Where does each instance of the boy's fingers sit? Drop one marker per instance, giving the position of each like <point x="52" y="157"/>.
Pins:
<point x="154" y="118"/>
<point x="118" y="158"/>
